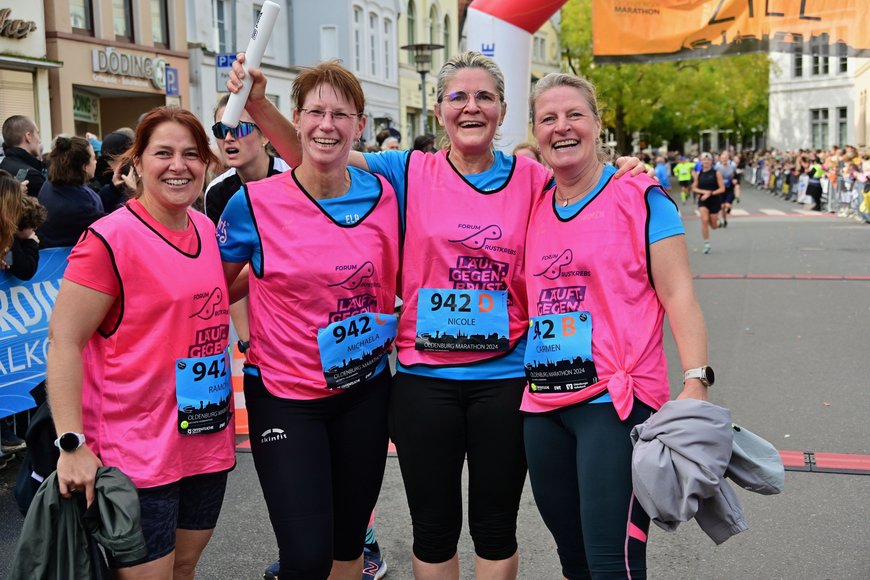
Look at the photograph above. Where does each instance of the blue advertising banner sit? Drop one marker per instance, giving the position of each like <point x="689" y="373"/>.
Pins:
<point x="25" y="308"/>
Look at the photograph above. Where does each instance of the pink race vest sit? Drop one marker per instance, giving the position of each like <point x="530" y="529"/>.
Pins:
<point x="596" y="322"/>
<point x="321" y="315"/>
<point x="174" y="314"/>
<point x="462" y="268"/>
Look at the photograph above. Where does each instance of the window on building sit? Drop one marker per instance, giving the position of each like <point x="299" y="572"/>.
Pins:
<point x="842" y="57"/>
<point x="122" y="17"/>
<point x="447" y="40"/>
<point x="374" y="28"/>
<point x="81" y="15"/>
<point x="223" y="25"/>
<point x="842" y="125"/>
<point x="819" y="128"/>
<point x="388" y="49"/>
<point x="328" y="42"/>
<point x="539" y="48"/>
<point x="797" y="58"/>
<point x="159" y="23"/>
<point x="435" y="36"/>
<point x="412" y="24"/>
<point x="357" y="39"/>
<point x="820" y="59"/>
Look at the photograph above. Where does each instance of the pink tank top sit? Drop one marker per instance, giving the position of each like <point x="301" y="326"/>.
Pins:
<point x="596" y="322"/>
<point x="462" y="271"/>
<point x="156" y="395"/>
<point x="321" y="312"/>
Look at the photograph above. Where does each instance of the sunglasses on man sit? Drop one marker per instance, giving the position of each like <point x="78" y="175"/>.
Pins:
<point x="220" y="131"/>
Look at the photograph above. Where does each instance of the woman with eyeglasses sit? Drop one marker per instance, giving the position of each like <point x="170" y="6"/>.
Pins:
<point x="460" y="341"/>
<point x="322" y="242"/>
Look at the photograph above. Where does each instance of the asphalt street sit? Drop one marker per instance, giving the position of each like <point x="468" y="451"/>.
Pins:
<point x="788" y="314"/>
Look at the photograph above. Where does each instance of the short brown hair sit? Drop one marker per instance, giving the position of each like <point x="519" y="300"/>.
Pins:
<point x="67" y="161"/>
<point x="329" y="73"/>
<point x="156" y="117"/>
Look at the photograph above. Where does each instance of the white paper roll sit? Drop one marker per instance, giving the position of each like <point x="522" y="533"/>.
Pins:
<point x="253" y="55"/>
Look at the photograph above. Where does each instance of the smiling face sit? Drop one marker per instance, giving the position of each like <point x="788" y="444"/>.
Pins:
<point x="706" y="162"/>
<point x="566" y="129"/>
<point x="325" y="140"/>
<point x="471" y="128"/>
<point x="171" y="169"/>
<point x="242" y="151"/>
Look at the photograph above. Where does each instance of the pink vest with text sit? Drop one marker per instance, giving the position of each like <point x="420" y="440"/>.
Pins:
<point x="457" y="237"/>
<point x="315" y="272"/>
<point x="597" y="262"/>
<point x="173" y="306"/>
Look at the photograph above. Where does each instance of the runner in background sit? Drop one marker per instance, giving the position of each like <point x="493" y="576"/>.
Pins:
<point x="708" y="186"/>
<point x="728" y="170"/>
<point x="683" y="172"/>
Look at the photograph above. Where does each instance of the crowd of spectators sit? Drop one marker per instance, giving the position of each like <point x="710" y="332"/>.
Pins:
<point x="842" y="175"/>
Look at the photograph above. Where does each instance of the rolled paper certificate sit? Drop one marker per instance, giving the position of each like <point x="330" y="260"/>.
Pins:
<point x="253" y="55"/>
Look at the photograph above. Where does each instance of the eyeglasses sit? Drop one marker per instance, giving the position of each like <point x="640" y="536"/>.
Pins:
<point x="459" y="99"/>
<point x="337" y="116"/>
<point x="220" y="131"/>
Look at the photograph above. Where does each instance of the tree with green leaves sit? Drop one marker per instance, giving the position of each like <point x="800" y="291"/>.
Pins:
<point x="667" y="101"/>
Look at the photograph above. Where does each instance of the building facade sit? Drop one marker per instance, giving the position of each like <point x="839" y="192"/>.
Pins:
<point x="818" y="99"/>
<point x="120" y="59"/>
<point x="24" y="64"/>
<point x="423" y="22"/>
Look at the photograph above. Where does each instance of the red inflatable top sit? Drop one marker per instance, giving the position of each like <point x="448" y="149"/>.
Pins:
<point x="529" y="15"/>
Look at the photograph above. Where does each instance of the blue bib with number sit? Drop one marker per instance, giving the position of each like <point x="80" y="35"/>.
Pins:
<point x="462" y="320"/>
<point x="559" y="353"/>
<point x="203" y="391"/>
<point x="351" y="350"/>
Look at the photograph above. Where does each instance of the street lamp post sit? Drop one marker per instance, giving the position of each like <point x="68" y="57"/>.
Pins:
<point x="422" y="55"/>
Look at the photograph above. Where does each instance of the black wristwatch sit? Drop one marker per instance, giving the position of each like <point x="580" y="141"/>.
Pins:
<point x="244" y="345"/>
<point x="703" y="374"/>
<point x="70" y="441"/>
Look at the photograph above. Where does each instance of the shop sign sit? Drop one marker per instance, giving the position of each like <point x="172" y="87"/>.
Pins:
<point x="16" y="29"/>
<point x="86" y="108"/>
<point x="121" y="64"/>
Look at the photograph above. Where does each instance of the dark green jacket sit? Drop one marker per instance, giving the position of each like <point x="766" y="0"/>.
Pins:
<point x="54" y="540"/>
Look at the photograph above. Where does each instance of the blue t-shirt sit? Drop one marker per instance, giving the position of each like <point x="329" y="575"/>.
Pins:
<point x="237" y="234"/>
<point x="664" y="221"/>
<point x="393" y="166"/>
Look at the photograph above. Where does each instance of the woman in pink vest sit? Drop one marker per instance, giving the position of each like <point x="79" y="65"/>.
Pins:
<point x="605" y="261"/>
<point x="138" y="372"/>
<point x="460" y="338"/>
<point x="322" y="243"/>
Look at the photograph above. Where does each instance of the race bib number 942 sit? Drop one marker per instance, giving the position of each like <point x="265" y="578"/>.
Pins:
<point x="559" y="353"/>
<point x="462" y="320"/>
<point x="203" y="391"/>
<point x="351" y="350"/>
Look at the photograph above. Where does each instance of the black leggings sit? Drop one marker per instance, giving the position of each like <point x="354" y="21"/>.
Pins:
<point x="320" y="464"/>
<point x="580" y="468"/>
<point x="435" y="423"/>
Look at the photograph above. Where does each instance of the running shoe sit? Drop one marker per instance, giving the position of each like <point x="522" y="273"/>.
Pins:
<point x="724" y="223"/>
<point x="11" y="443"/>
<point x="374" y="567"/>
<point x="707" y="247"/>
<point x="271" y="571"/>
<point x="5" y="458"/>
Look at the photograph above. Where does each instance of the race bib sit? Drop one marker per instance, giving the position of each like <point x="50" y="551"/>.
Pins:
<point x="203" y="391"/>
<point x="351" y="349"/>
<point x="462" y="320"/>
<point x="559" y="353"/>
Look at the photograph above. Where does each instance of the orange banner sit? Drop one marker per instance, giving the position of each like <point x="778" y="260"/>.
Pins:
<point x="644" y="30"/>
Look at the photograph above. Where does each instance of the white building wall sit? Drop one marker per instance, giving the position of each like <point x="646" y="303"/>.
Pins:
<point x="792" y="100"/>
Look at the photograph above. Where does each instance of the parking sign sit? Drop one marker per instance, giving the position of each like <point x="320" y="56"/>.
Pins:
<point x="223" y="62"/>
<point x="171" y="81"/>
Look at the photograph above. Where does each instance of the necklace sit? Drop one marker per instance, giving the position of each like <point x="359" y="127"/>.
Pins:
<point x="564" y="200"/>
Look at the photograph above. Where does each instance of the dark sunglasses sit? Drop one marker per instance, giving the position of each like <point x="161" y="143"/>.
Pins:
<point x="220" y="131"/>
